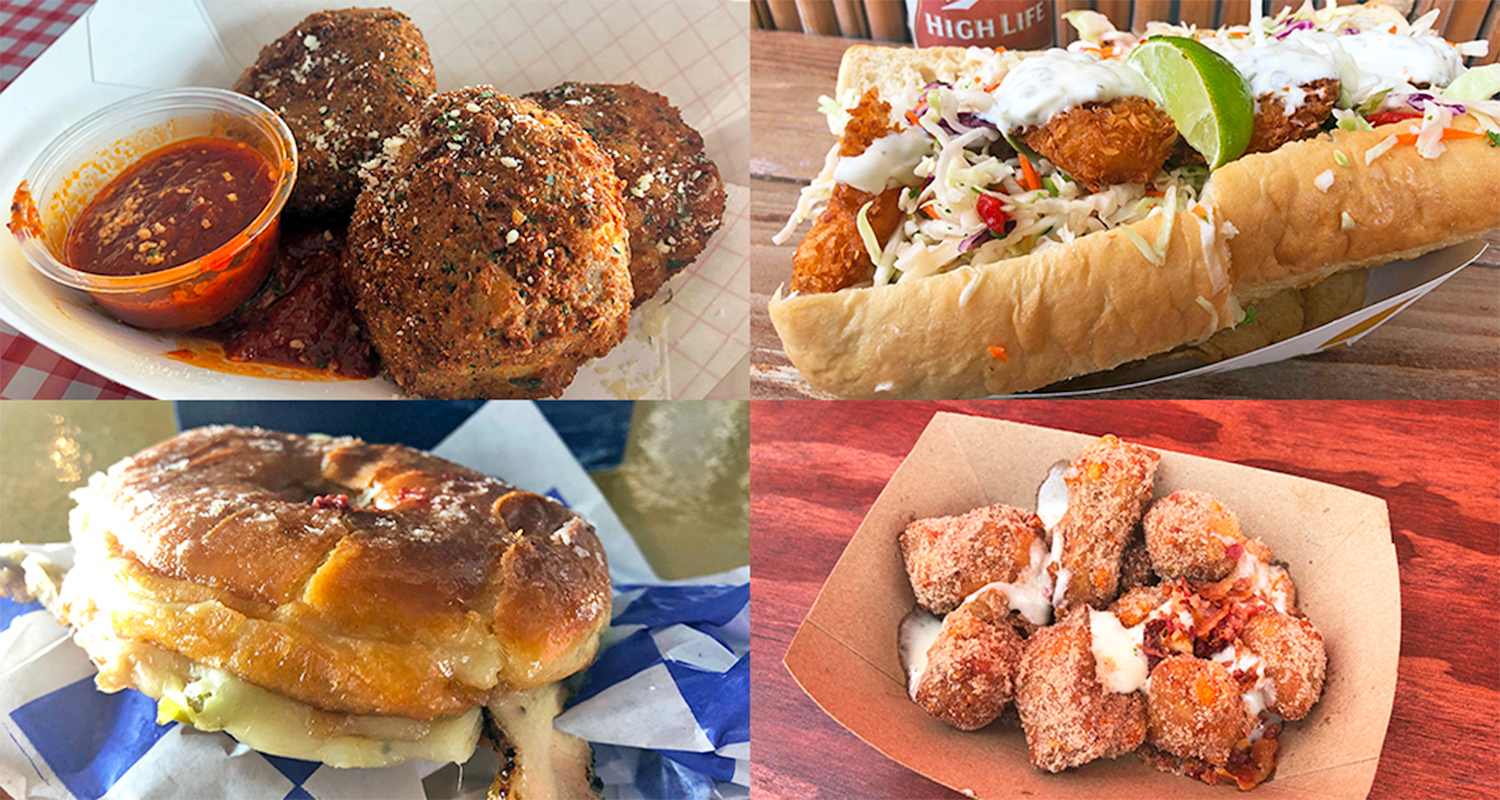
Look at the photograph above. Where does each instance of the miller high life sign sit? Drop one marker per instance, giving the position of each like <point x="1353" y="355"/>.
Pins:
<point x="1015" y="24"/>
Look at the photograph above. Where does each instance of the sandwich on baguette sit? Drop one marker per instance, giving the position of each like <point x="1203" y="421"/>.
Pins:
<point x="994" y="222"/>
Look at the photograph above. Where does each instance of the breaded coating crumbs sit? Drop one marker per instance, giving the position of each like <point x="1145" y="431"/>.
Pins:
<point x="1109" y="485"/>
<point x="1124" y="140"/>
<point x="833" y="255"/>
<point x="972" y="665"/>
<point x="949" y="558"/>
<point x="674" y="199"/>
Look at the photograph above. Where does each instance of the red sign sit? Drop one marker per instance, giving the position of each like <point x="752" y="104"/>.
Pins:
<point x="1014" y="24"/>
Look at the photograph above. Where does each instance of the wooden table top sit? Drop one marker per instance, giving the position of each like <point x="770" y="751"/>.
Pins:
<point x="1446" y="345"/>
<point x="817" y="467"/>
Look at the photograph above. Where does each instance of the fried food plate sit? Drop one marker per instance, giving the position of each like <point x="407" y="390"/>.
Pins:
<point x="1337" y="544"/>
<point x="80" y="73"/>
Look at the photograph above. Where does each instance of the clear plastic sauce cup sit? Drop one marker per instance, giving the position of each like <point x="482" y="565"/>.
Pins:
<point x="88" y="155"/>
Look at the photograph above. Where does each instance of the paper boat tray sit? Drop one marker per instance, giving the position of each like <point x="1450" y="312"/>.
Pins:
<point x="1336" y="543"/>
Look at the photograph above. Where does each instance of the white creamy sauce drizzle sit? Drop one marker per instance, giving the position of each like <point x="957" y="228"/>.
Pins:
<point x="1119" y="653"/>
<point x="1265" y="580"/>
<point x="1392" y="59"/>
<point x="1057" y="80"/>
<point x="1279" y="67"/>
<point x="918" y="631"/>
<point x="1051" y="505"/>
<point x="889" y="160"/>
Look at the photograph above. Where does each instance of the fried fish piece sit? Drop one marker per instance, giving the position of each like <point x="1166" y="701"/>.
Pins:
<point x="949" y="558"/>
<point x="833" y="255"/>
<point x="1069" y="717"/>
<point x="1109" y="485"/>
<point x="1124" y="140"/>
<point x="972" y="665"/>
<point x="1275" y="127"/>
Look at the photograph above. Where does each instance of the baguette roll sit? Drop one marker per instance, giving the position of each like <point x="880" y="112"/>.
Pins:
<point x="1013" y="325"/>
<point x="1029" y="321"/>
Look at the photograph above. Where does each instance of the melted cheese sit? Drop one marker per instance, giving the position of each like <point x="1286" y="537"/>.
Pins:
<point x="1119" y="654"/>
<point x="549" y="764"/>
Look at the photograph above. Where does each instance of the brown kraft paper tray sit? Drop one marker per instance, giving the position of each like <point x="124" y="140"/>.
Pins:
<point x="1336" y="543"/>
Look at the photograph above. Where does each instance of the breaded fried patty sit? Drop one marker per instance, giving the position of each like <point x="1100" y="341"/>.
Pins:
<point x="674" y="200"/>
<point x="342" y="81"/>
<point x="488" y="255"/>
<point x="971" y="667"/>
<point x="949" y="558"/>
<point x="833" y="255"/>
<point x="1069" y="717"/>
<point x="1124" y="140"/>
<point x="1274" y="127"/>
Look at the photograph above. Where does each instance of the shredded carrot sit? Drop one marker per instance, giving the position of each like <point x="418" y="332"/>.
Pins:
<point x="912" y="117"/>
<point x="930" y="210"/>
<point x="999" y="352"/>
<point x="1028" y="172"/>
<point x="1154" y="192"/>
<point x="1449" y="134"/>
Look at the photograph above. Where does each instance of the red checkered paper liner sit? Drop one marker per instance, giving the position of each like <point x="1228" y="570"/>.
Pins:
<point x="28" y="370"/>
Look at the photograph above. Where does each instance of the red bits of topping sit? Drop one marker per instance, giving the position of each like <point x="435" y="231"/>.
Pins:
<point x="339" y="501"/>
<point x="991" y="211"/>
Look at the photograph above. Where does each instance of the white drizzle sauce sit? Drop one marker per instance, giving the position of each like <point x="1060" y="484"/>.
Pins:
<point x="1052" y="500"/>
<point x="1392" y="59"/>
<point x="1278" y="67"/>
<point x="918" y="631"/>
<point x="1057" y="80"/>
<point x="1119" y="653"/>
<point x="889" y="160"/>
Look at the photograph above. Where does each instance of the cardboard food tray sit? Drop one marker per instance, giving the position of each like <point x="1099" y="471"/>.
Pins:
<point x="1336" y="543"/>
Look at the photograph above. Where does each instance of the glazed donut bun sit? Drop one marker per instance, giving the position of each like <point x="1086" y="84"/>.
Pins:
<point x="329" y="599"/>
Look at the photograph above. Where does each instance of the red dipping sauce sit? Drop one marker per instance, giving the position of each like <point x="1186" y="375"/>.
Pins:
<point x="175" y="205"/>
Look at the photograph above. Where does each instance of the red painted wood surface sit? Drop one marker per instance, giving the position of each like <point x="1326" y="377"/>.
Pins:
<point x="816" y="467"/>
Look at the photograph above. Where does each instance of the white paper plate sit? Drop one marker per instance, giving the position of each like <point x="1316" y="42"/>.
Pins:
<point x="682" y="344"/>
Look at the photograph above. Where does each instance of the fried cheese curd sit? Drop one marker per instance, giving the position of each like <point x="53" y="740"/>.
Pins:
<point x="342" y="81"/>
<point x="1191" y="534"/>
<point x="674" y="199"/>
<point x="1295" y="660"/>
<point x="488" y="255"/>
<point x="949" y="558"/>
<point x="833" y="255"/>
<point x="1124" y="140"/>
<point x="1200" y="657"/>
<point x="1274" y="127"/>
<point x="972" y="665"/>
<point x="1109" y="485"/>
<point x="1194" y="709"/>
<point x="1069" y="717"/>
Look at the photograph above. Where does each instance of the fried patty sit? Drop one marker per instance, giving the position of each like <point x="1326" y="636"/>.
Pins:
<point x="488" y="255"/>
<point x="1274" y="127"/>
<point x="1124" y="140"/>
<point x="342" y="81"/>
<point x="674" y="199"/>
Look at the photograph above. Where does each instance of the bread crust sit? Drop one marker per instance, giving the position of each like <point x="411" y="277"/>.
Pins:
<point x="418" y="593"/>
<point x="1098" y="303"/>
<point x="1030" y="321"/>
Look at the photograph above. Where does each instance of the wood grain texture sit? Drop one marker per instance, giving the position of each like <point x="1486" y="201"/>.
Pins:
<point x="1447" y="345"/>
<point x="817" y="467"/>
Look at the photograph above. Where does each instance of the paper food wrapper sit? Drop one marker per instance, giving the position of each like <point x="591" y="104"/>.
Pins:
<point x="1336" y="543"/>
<point x="685" y="343"/>
<point x="667" y="701"/>
<point x="1389" y="289"/>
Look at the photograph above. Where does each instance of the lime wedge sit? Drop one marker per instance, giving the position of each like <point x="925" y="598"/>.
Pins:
<point x="1203" y="93"/>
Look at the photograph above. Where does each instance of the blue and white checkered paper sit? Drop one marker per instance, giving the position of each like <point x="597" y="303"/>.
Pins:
<point x="667" y="703"/>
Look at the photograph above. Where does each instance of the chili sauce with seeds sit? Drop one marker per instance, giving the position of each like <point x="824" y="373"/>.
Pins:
<point x="177" y="204"/>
